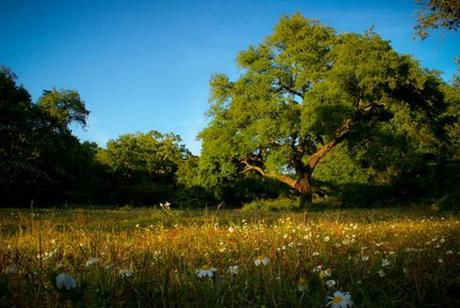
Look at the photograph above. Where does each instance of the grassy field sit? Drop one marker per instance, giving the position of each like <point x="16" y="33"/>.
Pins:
<point x="160" y="257"/>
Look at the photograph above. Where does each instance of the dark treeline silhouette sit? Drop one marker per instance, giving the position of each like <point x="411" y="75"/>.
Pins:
<point x="42" y="162"/>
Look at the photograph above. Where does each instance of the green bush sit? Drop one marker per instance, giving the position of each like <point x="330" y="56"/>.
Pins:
<point x="274" y="205"/>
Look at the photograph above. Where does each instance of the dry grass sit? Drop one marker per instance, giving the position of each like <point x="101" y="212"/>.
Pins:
<point x="150" y="257"/>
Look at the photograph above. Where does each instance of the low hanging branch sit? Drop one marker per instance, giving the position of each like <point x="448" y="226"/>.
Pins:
<point x="280" y="177"/>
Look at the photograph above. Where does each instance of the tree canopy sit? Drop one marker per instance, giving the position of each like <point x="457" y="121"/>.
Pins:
<point x="304" y="90"/>
<point x="38" y="153"/>
<point x="434" y="14"/>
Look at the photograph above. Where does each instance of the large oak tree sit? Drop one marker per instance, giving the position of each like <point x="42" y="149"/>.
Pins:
<point x="304" y="90"/>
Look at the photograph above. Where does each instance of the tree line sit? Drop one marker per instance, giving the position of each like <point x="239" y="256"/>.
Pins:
<point x="315" y="114"/>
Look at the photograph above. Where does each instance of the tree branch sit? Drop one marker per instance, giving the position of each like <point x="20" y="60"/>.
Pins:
<point x="280" y="177"/>
<point x="290" y="90"/>
<point x="341" y="133"/>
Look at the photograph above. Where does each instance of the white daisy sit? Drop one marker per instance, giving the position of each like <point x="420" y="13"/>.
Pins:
<point x="206" y="271"/>
<point x="340" y="300"/>
<point x="261" y="260"/>
<point x="66" y="281"/>
<point x="330" y="283"/>
<point x="385" y="262"/>
<point x="233" y="269"/>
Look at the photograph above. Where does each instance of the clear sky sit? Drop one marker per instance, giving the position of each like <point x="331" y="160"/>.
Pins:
<point x="143" y="65"/>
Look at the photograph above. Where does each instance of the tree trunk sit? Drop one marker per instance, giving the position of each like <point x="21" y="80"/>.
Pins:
<point x="303" y="187"/>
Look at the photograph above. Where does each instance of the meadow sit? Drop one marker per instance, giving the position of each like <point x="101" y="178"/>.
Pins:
<point x="154" y="257"/>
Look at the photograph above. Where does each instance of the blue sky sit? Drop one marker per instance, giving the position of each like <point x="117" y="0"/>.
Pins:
<point x="143" y="65"/>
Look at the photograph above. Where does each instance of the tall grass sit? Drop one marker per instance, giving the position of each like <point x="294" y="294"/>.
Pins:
<point x="150" y="257"/>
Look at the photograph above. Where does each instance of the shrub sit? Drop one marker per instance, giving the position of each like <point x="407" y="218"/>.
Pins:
<point x="279" y="204"/>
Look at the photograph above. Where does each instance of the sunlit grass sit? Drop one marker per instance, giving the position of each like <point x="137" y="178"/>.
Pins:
<point x="147" y="257"/>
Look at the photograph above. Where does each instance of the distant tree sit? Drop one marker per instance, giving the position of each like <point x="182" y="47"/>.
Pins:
<point x="151" y="155"/>
<point x="20" y="126"/>
<point x="64" y="107"/>
<point x="434" y="14"/>
<point x="38" y="153"/>
<point x="305" y="90"/>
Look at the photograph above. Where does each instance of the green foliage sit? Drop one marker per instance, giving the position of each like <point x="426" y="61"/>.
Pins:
<point x="141" y="167"/>
<point x="64" y="107"/>
<point x="143" y="156"/>
<point x="273" y="205"/>
<point x="434" y="14"/>
<point x="39" y="157"/>
<point x="306" y="89"/>
<point x="452" y="119"/>
<point x="339" y="167"/>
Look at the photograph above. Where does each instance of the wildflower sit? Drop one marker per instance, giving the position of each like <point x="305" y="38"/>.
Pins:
<point x="326" y="273"/>
<point x="91" y="261"/>
<point x="66" y="281"/>
<point x="206" y="271"/>
<point x="365" y="258"/>
<point x="233" y="269"/>
<point x="381" y="273"/>
<point x="330" y="283"/>
<point x="449" y="252"/>
<point x="314" y="254"/>
<point x="327" y="238"/>
<point x="261" y="260"/>
<point x="340" y="300"/>
<point x="440" y="260"/>
<point x="302" y="284"/>
<point x="125" y="272"/>
<point x="385" y="262"/>
<point x="317" y="269"/>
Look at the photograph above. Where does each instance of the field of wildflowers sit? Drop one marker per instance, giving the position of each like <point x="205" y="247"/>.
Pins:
<point x="161" y="257"/>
